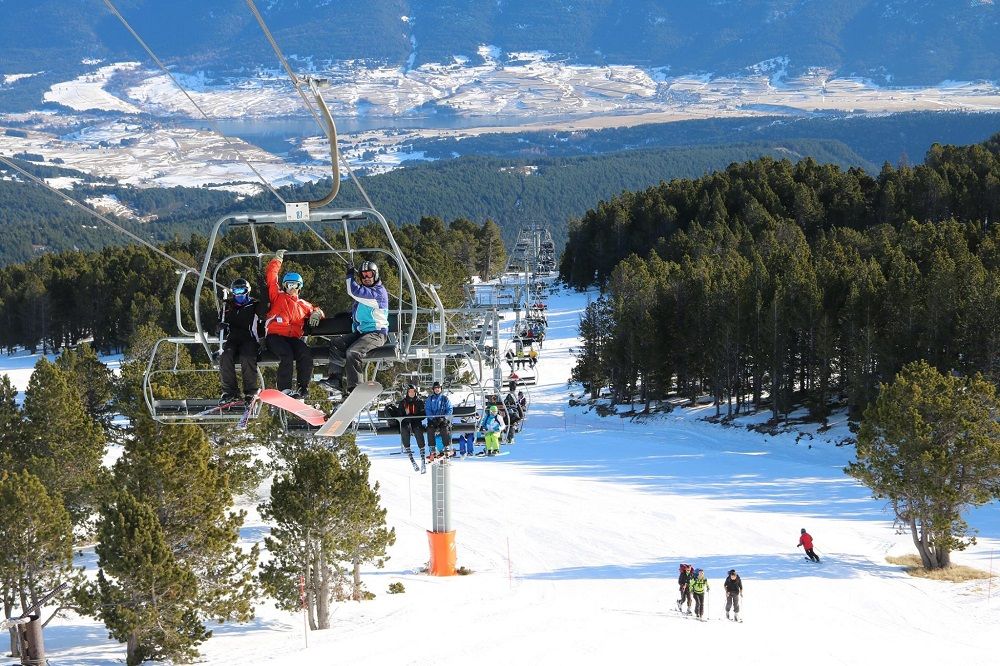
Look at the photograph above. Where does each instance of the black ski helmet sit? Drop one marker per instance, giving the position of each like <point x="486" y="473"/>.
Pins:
<point x="369" y="266"/>
<point x="732" y="572"/>
<point x="240" y="286"/>
<point x="802" y="531"/>
<point x="411" y="387"/>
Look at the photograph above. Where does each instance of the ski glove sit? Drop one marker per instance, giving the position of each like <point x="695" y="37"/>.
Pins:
<point x="280" y="255"/>
<point x="350" y="270"/>
<point x="314" y="318"/>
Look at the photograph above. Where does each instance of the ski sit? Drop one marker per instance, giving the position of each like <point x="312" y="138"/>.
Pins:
<point x="222" y="407"/>
<point x="248" y="412"/>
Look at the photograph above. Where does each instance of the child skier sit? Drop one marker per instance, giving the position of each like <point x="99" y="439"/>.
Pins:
<point x="492" y="425"/>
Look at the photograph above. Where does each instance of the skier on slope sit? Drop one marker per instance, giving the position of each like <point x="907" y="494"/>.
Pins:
<point x="806" y="541"/>
<point x="699" y="586"/>
<point x="240" y="322"/>
<point x="286" y="322"/>
<point x="369" y="328"/>
<point x="684" y="583"/>
<point x="734" y="590"/>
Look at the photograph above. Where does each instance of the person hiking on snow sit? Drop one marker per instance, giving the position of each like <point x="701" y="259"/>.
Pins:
<point x="734" y="590"/>
<point x="684" y="583"/>
<point x="492" y="425"/>
<point x="413" y="407"/>
<point x="806" y="541"/>
<point x="369" y="328"/>
<point x="240" y="322"/>
<point x="699" y="586"/>
<point x="286" y="322"/>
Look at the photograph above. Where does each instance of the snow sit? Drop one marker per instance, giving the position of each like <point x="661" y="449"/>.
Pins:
<point x="14" y="78"/>
<point x="87" y="92"/>
<point x="574" y="540"/>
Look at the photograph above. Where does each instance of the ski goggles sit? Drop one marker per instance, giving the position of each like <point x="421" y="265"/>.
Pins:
<point x="368" y="274"/>
<point x="240" y="291"/>
<point x="292" y="285"/>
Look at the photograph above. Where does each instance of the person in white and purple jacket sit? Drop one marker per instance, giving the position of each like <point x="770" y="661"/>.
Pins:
<point x="370" y="326"/>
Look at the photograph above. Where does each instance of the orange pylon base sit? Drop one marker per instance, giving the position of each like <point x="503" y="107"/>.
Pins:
<point x="443" y="555"/>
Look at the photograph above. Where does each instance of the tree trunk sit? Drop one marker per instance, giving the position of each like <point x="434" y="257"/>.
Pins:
<point x="322" y="592"/>
<point x="132" y="650"/>
<point x="356" y="574"/>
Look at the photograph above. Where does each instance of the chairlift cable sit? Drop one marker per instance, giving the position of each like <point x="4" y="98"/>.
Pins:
<point x="296" y="82"/>
<point x="208" y="118"/>
<point x="102" y="218"/>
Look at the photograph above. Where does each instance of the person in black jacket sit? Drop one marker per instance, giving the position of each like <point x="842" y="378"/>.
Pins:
<point x="513" y="416"/>
<point x="734" y="590"/>
<point x="684" y="584"/>
<point x="239" y="325"/>
<point x="412" y="406"/>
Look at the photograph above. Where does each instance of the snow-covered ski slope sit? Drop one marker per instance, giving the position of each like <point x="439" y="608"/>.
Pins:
<point x="575" y="537"/>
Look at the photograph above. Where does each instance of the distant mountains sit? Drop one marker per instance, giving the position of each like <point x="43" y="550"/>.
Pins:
<point x="891" y="41"/>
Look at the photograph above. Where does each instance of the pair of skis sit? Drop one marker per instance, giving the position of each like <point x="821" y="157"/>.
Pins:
<point x="337" y="423"/>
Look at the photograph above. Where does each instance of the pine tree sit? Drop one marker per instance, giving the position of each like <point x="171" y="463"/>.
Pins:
<point x="592" y="366"/>
<point x="172" y="469"/>
<point x="37" y="537"/>
<point x="364" y="537"/>
<point x="91" y="378"/>
<point x="930" y="444"/>
<point x="323" y="514"/>
<point x="145" y="597"/>
<point x="62" y="444"/>
<point x="10" y="423"/>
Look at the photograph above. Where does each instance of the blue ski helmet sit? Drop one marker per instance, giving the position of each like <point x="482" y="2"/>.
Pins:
<point x="293" y="279"/>
<point x="241" y="290"/>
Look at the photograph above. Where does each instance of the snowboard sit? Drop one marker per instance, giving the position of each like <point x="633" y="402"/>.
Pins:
<point x="347" y="411"/>
<point x="307" y="413"/>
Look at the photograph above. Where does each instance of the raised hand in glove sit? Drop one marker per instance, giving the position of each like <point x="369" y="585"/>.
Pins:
<point x="315" y="317"/>
<point x="280" y="255"/>
<point x="350" y="270"/>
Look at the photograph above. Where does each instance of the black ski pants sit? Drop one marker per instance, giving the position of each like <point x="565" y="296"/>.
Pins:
<point x="733" y="601"/>
<point x="408" y="427"/>
<point x="699" y="603"/>
<point x="685" y="596"/>
<point x="291" y="351"/>
<point x="246" y="351"/>
<point x="812" y="555"/>
<point x="347" y="354"/>
<point x="436" y="425"/>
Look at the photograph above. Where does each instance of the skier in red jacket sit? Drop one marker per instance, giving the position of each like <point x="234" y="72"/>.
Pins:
<point x="286" y="322"/>
<point x="806" y="541"/>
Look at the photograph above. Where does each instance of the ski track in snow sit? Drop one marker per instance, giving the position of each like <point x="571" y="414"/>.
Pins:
<point x="574" y="540"/>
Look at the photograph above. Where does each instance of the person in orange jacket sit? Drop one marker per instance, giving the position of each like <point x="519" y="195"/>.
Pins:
<point x="806" y="541"/>
<point x="286" y="322"/>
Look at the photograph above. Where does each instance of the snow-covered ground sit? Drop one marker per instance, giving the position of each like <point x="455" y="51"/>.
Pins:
<point x="575" y="537"/>
<point x="519" y="91"/>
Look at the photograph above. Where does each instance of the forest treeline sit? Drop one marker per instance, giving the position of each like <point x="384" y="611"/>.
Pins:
<point x="792" y="283"/>
<point x="60" y="298"/>
<point x="511" y="192"/>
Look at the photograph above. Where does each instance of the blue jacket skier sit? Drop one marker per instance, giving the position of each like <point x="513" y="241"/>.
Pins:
<point x="439" y="410"/>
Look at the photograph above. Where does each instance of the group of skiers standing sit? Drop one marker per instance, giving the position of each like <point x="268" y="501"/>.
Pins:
<point x="693" y="586"/>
